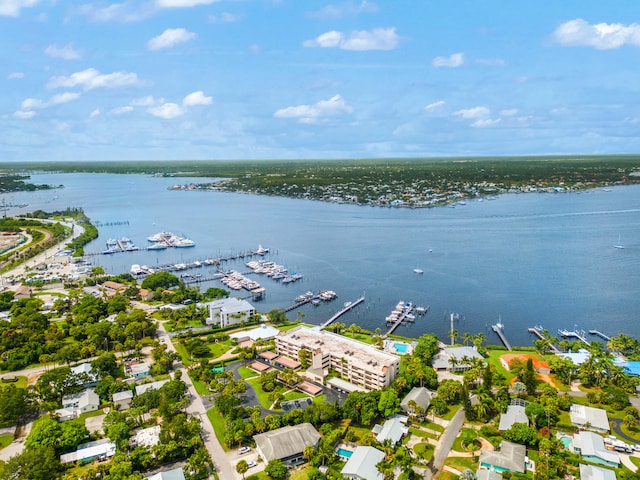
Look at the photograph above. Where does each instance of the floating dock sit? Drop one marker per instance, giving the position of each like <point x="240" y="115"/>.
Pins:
<point x="403" y="312"/>
<point x="499" y="329"/>
<point x="579" y="334"/>
<point x="347" y="306"/>
<point x="537" y="331"/>
<point x="600" y="334"/>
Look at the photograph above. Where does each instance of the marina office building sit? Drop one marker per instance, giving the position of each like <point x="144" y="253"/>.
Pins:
<point x="357" y="362"/>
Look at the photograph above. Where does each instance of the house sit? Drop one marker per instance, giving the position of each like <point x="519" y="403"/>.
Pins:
<point x="510" y="458"/>
<point x="484" y="474"/>
<point x="357" y="362"/>
<point x="422" y="398"/>
<point x="591" y="446"/>
<point x="455" y="359"/>
<point x="122" y="400"/>
<point x="591" y="472"/>
<point x="140" y="389"/>
<point x="589" y="418"/>
<point x="287" y="444"/>
<point x="362" y="464"/>
<point x="86" y="373"/>
<point x="393" y="429"/>
<point x="262" y="332"/>
<point x="147" y="437"/>
<point x="229" y="311"/>
<point x="75" y="405"/>
<point x="98" y="450"/>
<point x="514" y="414"/>
<point x="139" y="370"/>
<point x="175" y="474"/>
<point x="23" y="292"/>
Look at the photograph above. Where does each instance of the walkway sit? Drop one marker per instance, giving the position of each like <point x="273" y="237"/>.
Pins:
<point x="444" y="447"/>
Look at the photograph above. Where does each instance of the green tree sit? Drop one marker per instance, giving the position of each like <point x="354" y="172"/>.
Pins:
<point x="241" y="467"/>
<point x="15" y="403"/>
<point x="160" y="280"/>
<point x="276" y="469"/>
<point x="38" y="463"/>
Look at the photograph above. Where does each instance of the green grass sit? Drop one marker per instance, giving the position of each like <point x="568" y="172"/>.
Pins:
<point x="220" y="348"/>
<point x="462" y="463"/>
<point x="217" y="422"/>
<point x="494" y="359"/>
<point x="433" y="426"/>
<point x="294" y="395"/>
<point x="169" y="326"/>
<point x="95" y="413"/>
<point x="5" y="440"/>
<point x="457" y="443"/>
<point x="632" y="433"/>
<point x="263" y="397"/>
<point x="184" y="355"/>
<point x="21" y="382"/>
<point x="452" y="411"/>
<point x="635" y="460"/>
<point x="424" y="451"/>
<point x="246" y="372"/>
<point x="201" y="387"/>
<point x="320" y="399"/>
<point x="288" y="326"/>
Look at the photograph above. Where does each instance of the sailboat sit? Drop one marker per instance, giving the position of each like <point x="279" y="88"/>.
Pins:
<point x="417" y="270"/>
<point x="619" y="245"/>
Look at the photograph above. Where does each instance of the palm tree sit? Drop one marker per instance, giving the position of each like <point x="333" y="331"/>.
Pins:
<point x="241" y="467"/>
<point x="466" y="338"/>
<point x="453" y="335"/>
<point x="308" y="452"/>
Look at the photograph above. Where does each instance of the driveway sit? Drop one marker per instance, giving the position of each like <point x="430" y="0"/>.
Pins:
<point x="444" y="445"/>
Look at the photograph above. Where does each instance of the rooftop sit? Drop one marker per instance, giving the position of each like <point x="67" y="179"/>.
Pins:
<point x="363" y="463"/>
<point x="509" y="457"/>
<point x="286" y="441"/>
<point x="514" y="414"/>
<point x="591" y="472"/>
<point x="596" y="417"/>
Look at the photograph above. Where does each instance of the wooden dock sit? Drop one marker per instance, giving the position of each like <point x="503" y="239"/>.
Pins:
<point x="600" y="334"/>
<point x="498" y="328"/>
<point x="538" y="333"/>
<point x="348" y="306"/>
<point x="579" y="334"/>
<point x="406" y="311"/>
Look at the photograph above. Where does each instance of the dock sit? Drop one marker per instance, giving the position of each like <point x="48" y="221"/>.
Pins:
<point x="537" y="331"/>
<point x="402" y="313"/>
<point x="347" y="306"/>
<point x="579" y="334"/>
<point x="499" y="329"/>
<point x="600" y="334"/>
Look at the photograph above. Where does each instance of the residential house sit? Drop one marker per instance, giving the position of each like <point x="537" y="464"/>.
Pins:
<point x="591" y="446"/>
<point x="514" y="414"/>
<point x="175" y="474"/>
<point x="417" y="397"/>
<point x="590" y="418"/>
<point x="509" y="458"/>
<point x="98" y="450"/>
<point x="591" y="472"/>
<point x="455" y="359"/>
<point x="287" y="444"/>
<point x="393" y="429"/>
<point x="86" y="373"/>
<point x="147" y="437"/>
<point x="362" y="464"/>
<point x="122" y="400"/>
<point x="229" y="311"/>
<point x="139" y="370"/>
<point x="75" y="405"/>
<point x="140" y="389"/>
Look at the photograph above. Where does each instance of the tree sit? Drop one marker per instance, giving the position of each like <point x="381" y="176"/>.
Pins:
<point x="39" y="463"/>
<point x="162" y="280"/>
<point x="276" y="316"/>
<point x="15" y="403"/>
<point x="276" y="469"/>
<point x="241" y="467"/>
<point x="468" y="474"/>
<point x="389" y="403"/>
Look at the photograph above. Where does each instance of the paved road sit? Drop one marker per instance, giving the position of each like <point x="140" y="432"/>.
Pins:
<point x="197" y="409"/>
<point x="444" y="446"/>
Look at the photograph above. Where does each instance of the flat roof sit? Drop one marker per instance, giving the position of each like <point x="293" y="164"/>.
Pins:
<point x="259" y="367"/>
<point x="348" y="387"/>
<point x="287" y="362"/>
<point x="310" y="388"/>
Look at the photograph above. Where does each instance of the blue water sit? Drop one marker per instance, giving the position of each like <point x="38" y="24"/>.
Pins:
<point x="401" y="347"/>
<point x="632" y="367"/>
<point x="344" y="453"/>
<point x="528" y="259"/>
<point x="566" y="441"/>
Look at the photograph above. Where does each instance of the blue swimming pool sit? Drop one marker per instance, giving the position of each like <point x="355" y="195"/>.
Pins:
<point x="401" y="347"/>
<point x="566" y="441"/>
<point x="344" y="453"/>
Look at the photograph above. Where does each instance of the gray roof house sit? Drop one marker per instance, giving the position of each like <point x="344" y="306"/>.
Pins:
<point x="393" y="429"/>
<point x="86" y="370"/>
<point x="589" y="417"/>
<point x="442" y="361"/>
<point x="421" y="396"/>
<point x="74" y="405"/>
<point x="287" y="443"/>
<point x="510" y="458"/>
<point x="484" y="474"/>
<point x="591" y="446"/>
<point x="514" y="414"/>
<point x="362" y="464"/>
<point x="122" y="400"/>
<point x="140" y="389"/>
<point x="175" y="474"/>
<point x="591" y="472"/>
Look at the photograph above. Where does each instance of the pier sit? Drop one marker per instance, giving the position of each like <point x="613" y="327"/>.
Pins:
<point x="347" y="306"/>
<point x="402" y="313"/>
<point x="499" y="329"/>
<point x="537" y="331"/>
<point x="579" y="334"/>
<point x="600" y="334"/>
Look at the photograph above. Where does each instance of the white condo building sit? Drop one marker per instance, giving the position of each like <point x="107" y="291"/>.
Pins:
<point x="357" y="362"/>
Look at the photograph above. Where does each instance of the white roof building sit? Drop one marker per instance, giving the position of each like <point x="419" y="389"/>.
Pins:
<point x="78" y="403"/>
<point x="259" y="333"/>
<point x="140" y="389"/>
<point x="455" y="358"/>
<point x="287" y="443"/>
<point x="229" y="311"/>
<point x="362" y="464"/>
<point x="86" y="369"/>
<point x="591" y="472"/>
<point x="175" y="474"/>
<point x="393" y="429"/>
<point x="514" y="414"/>
<point x="591" y="446"/>
<point x="147" y="437"/>
<point x="90" y="451"/>
<point x="589" y="417"/>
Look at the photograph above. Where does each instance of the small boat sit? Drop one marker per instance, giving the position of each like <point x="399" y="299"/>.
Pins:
<point x="184" y="243"/>
<point x="418" y="271"/>
<point x="619" y="245"/>
<point x="158" y="246"/>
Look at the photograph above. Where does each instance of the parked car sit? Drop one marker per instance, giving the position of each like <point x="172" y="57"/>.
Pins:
<point x="242" y="450"/>
<point x="252" y="464"/>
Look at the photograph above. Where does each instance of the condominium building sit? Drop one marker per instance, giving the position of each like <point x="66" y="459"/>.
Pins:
<point x="357" y="362"/>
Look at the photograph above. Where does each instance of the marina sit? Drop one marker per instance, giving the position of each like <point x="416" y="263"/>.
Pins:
<point x="310" y="297"/>
<point x="579" y="334"/>
<point x="599" y="334"/>
<point x="347" y="307"/>
<point x="403" y="312"/>
<point x="537" y="331"/>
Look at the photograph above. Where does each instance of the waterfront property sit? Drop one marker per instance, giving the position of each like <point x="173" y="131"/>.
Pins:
<point x="229" y="311"/>
<point x="455" y="359"/>
<point x="259" y="333"/>
<point x="287" y="444"/>
<point x="591" y="446"/>
<point x="509" y="458"/>
<point x="359" y="363"/>
<point x="590" y="418"/>
<point x="361" y="464"/>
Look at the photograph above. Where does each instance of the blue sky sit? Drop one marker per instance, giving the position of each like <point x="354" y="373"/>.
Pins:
<point x="280" y="79"/>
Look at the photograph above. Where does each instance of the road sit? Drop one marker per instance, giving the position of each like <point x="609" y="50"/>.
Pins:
<point x="197" y="409"/>
<point x="444" y="445"/>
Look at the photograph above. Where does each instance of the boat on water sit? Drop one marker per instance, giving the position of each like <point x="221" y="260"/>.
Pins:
<point x="158" y="246"/>
<point x="112" y="242"/>
<point x="184" y="243"/>
<point x="136" y="269"/>
<point x="261" y="250"/>
<point x="417" y="270"/>
<point x="619" y="245"/>
<point x="160" y="236"/>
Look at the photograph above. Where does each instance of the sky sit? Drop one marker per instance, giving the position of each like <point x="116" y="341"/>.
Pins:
<point x="297" y="79"/>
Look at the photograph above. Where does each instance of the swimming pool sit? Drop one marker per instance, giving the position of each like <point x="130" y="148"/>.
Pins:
<point x="566" y="441"/>
<point x="401" y="347"/>
<point x="344" y="453"/>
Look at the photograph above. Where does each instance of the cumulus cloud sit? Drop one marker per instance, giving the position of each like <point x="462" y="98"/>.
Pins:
<point x="11" y="8"/>
<point x="35" y="104"/>
<point x="475" y="112"/>
<point x="602" y="36"/>
<point x="95" y="113"/>
<point x="23" y="115"/>
<point x="121" y="110"/>
<point x="196" y="98"/>
<point x="147" y="101"/>
<point x="66" y="53"/>
<point x="167" y="111"/>
<point x="92" y="78"/>
<point x="224" y="17"/>
<point x="169" y="38"/>
<point x="432" y="106"/>
<point x="183" y="3"/>
<point x="15" y="75"/>
<point x="359" y="40"/>
<point x="313" y="113"/>
<point x="452" y="61"/>
<point x="127" y="11"/>
<point x="485" y="122"/>
<point x="347" y="9"/>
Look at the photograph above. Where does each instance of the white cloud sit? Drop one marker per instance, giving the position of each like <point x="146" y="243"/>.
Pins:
<point x="360" y="40"/>
<point x="95" y="113"/>
<point x="183" y="3"/>
<point x="127" y="11"/>
<point x="312" y="113"/>
<point x="147" y="101"/>
<point x="15" y="75"/>
<point x="432" y="106"/>
<point x="452" y="61"/>
<point x="24" y="114"/>
<point x="30" y="104"/>
<point x="224" y="17"/>
<point x="333" y="12"/>
<point x="474" y="112"/>
<point x="485" y="122"/>
<point x="11" y="8"/>
<point x="167" y="111"/>
<point x="602" y="36"/>
<point x="492" y="62"/>
<point x="509" y="112"/>
<point x="196" y="98"/>
<point x="92" y="78"/>
<point x="169" y="38"/>
<point x="66" y="53"/>
<point x="121" y="110"/>
<point x="63" y="98"/>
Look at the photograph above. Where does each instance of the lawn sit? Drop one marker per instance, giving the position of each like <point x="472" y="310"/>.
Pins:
<point x="263" y="397"/>
<point x="457" y="444"/>
<point x="246" y="372"/>
<point x="494" y="359"/>
<point x="184" y="355"/>
<point x="462" y="463"/>
<point x="294" y="395"/>
<point x="424" y="451"/>
<point x="217" y="422"/>
<point x="169" y="325"/>
<point x="220" y="348"/>
<point x="5" y="440"/>
<point x="452" y="411"/>
<point x="21" y="382"/>
<point x="320" y="399"/>
<point x="201" y="387"/>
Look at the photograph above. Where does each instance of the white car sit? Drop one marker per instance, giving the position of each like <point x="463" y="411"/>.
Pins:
<point x="242" y="450"/>
<point x="252" y="464"/>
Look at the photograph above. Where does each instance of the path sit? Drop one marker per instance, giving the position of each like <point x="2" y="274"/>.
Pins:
<point x="444" y="446"/>
<point x="615" y="426"/>
<point x="17" y="446"/>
